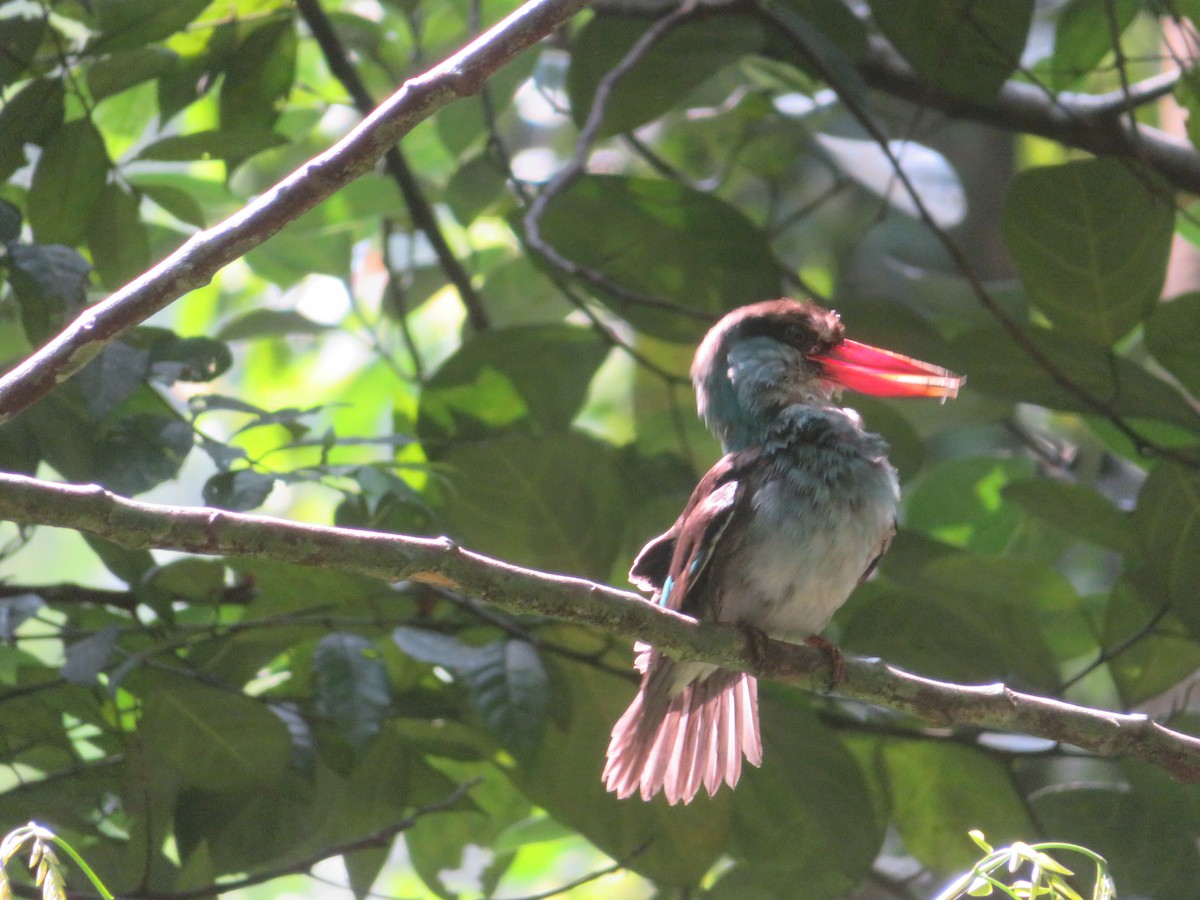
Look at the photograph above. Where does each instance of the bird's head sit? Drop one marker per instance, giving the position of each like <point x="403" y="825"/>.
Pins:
<point x="764" y="357"/>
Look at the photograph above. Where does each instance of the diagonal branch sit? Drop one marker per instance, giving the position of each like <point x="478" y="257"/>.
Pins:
<point x="441" y="562"/>
<point x="198" y="260"/>
<point x="396" y="163"/>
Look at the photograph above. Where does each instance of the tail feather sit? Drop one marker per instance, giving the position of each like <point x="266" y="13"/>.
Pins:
<point x="676" y="739"/>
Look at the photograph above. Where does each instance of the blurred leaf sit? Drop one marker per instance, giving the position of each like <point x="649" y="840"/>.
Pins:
<point x="132" y="23"/>
<point x="439" y="649"/>
<point x="996" y="365"/>
<point x="1153" y="659"/>
<point x="1093" y="272"/>
<point x="1167" y="519"/>
<point x="554" y="502"/>
<point x="20" y="38"/>
<point x="87" y="657"/>
<point x="10" y="222"/>
<point x="1172" y="335"/>
<point x="238" y="491"/>
<point x="474" y="188"/>
<point x="68" y="181"/>
<point x="963" y="47"/>
<point x="122" y="70"/>
<point x="228" y="144"/>
<point x="351" y="686"/>
<point x="666" y="240"/>
<point x="267" y="323"/>
<point x="217" y="740"/>
<point x="15" y="610"/>
<point x="499" y="378"/>
<point x="1075" y="509"/>
<point x="930" y="174"/>
<point x="1084" y="35"/>
<point x="806" y="817"/>
<point x="193" y="359"/>
<point x="961" y="502"/>
<point x="141" y="452"/>
<point x="30" y="116"/>
<point x="684" y="58"/>
<point x="112" y="378"/>
<point x="50" y="283"/>
<point x="115" y="235"/>
<point x="940" y="791"/>
<point x="258" y="78"/>
<point x="508" y="691"/>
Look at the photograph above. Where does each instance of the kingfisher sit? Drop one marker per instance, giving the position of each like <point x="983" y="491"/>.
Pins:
<point x="774" y="537"/>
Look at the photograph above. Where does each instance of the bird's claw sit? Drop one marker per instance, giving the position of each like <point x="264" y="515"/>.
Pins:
<point x="837" y="659"/>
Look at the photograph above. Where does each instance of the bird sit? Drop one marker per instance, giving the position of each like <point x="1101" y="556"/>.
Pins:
<point x="774" y="537"/>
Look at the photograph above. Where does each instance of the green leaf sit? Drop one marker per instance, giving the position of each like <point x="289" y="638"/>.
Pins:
<point x="1075" y="509"/>
<point x="807" y="816"/>
<point x="217" y="740"/>
<point x="683" y="59"/>
<point x="508" y="691"/>
<point x="439" y="649"/>
<point x="1090" y="240"/>
<point x="193" y="359"/>
<point x="474" y="188"/>
<point x="940" y="791"/>
<point x="239" y="491"/>
<point x="1152" y="660"/>
<point x="121" y="71"/>
<point x="87" y="657"/>
<point x="132" y="23"/>
<point x="50" y="283"/>
<point x="227" y="144"/>
<point x="118" y="240"/>
<point x="112" y="378"/>
<point x="997" y="366"/>
<point x="678" y="844"/>
<point x="499" y="378"/>
<point x="666" y="240"/>
<point x="963" y="47"/>
<point x="1173" y="334"/>
<point x="960" y="502"/>
<point x="1167" y="519"/>
<point x="258" y="77"/>
<point x="69" y="179"/>
<point x="10" y="222"/>
<point x="553" y="502"/>
<point x="141" y="452"/>
<point x="267" y="323"/>
<point x="20" y="38"/>
<point x="1084" y="35"/>
<point x="350" y="686"/>
<point x="128" y="565"/>
<point x="29" y="116"/>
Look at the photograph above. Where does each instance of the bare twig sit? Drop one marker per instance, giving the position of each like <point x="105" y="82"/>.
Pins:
<point x="195" y="263"/>
<point x="394" y="160"/>
<point x="441" y="562"/>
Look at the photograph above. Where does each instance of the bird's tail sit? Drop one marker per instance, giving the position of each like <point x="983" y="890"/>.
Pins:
<point x="675" y="740"/>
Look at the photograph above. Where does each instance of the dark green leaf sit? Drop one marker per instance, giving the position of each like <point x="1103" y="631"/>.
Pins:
<point x="685" y="58"/>
<point x="141" y="452"/>
<point x="178" y="203"/>
<point x="267" y="323"/>
<point x="554" y="502"/>
<point x="806" y="817"/>
<point x="226" y="144"/>
<point x="1167" y="520"/>
<point x="30" y="116"/>
<point x="1173" y="334"/>
<point x="963" y="47"/>
<point x="50" y="283"/>
<point x="940" y="791"/>
<point x="15" y="610"/>
<point x="1090" y="240"/>
<point x="665" y="240"/>
<point x="350" y="686"/>
<point x="217" y="740"/>
<point x="87" y="657"/>
<point x="960" y="502"/>
<point x="439" y="649"/>
<point x="1075" y="509"/>
<point x="123" y="70"/>
<point x="1084" y="35"/>
<point x="128" y="565"/>
<point x="118" y="240"/>
<point x="473" y="188"/>
<point x="239" y="491"/>
<point x="10" y="222"/>
<point x="132" y="23"/>
<point x="509" y="692"/>
<point x="19" y="41"/>
<point x="258" y="78"/>
<point x="112" y="377"/>
<point x="1158" y="652"/>
<point x="499" y="378"/>
<point x="195" y="359"/>
<point x="69" y="179"/>
<point x="996" y="365"/>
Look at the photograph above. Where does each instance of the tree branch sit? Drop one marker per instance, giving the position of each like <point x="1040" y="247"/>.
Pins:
<point x="439" y="561"/>
<point x="195" y="263"/>
<point x="419" y="209"/>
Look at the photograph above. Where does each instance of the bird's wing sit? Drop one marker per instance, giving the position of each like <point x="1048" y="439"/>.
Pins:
<point x="676" y="562"/>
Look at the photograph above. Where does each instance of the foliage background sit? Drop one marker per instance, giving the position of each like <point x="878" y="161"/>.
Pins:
<point x="489" y="338"/>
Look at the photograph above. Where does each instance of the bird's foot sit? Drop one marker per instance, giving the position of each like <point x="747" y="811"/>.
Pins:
<point x="757" y="640"/>
<point x="837" y="659"/>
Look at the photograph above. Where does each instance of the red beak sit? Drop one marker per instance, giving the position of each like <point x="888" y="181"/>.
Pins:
<point x="861" y="367"/>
